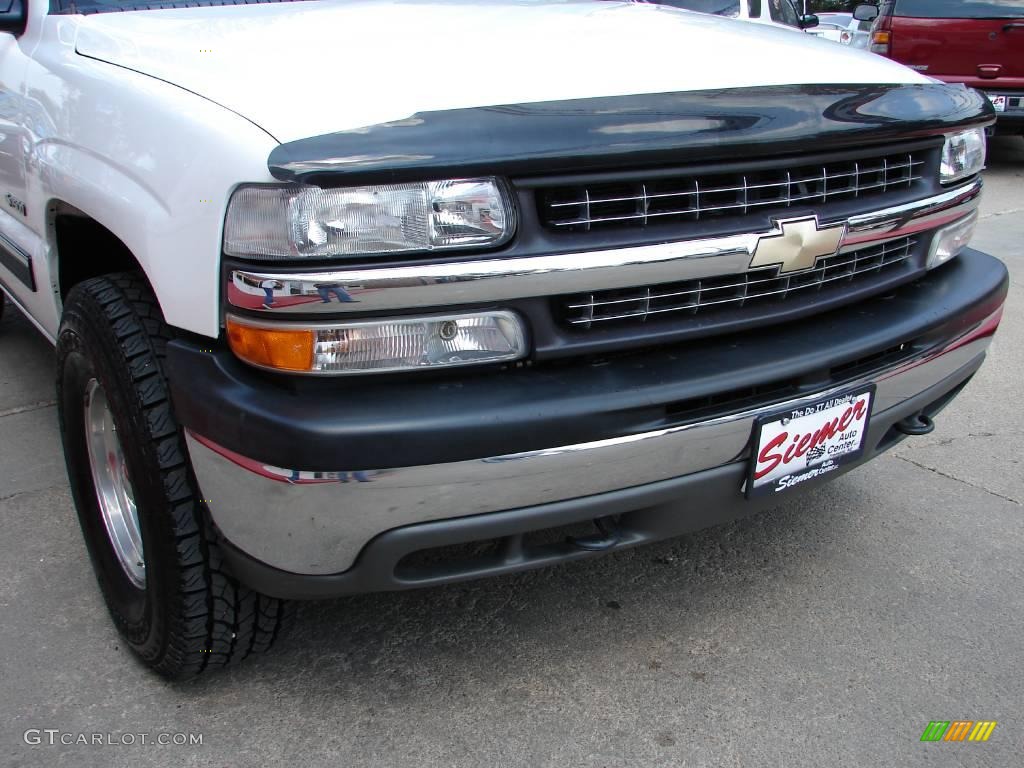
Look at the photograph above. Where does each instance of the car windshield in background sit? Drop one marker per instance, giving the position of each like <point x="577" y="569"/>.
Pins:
<point x="717" y="7"/>
<point x="960" y="9"/>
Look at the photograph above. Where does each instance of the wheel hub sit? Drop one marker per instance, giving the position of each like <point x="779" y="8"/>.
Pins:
<point x="114" y="490"/>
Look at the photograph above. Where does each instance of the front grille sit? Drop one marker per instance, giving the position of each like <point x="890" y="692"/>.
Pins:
<point x="642" y="202"/>
<point x="735" y="290"/>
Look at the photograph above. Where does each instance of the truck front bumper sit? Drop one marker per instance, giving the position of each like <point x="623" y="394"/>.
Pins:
<point x="327" y="488"/>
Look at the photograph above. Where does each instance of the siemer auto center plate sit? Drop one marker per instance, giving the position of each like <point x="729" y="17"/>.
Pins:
<point x="793" y="446"/>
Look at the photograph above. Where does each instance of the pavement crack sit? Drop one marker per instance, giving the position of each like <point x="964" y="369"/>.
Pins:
<point x="961" y="480"/>
<point x="26" y="408"/>
<point x="994" y="214"/>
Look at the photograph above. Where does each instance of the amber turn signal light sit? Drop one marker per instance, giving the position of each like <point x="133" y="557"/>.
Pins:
<point x="881" y="42"/>
<point x="383" y="345"/>
<point x="284" y="349"/>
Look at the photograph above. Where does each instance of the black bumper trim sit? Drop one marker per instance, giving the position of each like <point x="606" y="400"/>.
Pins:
<point x="17" y="262"/>
<point x="416" y="420"/>
<point x="644" y="514"/>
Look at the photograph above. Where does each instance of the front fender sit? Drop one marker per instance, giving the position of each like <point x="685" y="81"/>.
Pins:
<point x="151" y="162"/>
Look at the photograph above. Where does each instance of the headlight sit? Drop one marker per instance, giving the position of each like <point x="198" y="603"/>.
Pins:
<point x="272" y="222"/>
<point x="963" y="155"/>
<point x="380" y="346"/>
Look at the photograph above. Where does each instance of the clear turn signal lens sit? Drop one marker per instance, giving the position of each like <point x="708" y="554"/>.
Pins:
<point x="949" y="241"/>
<point x="383" y="346"/>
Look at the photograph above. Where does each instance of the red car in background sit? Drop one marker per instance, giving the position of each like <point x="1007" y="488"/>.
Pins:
<point x="976" y="42"/>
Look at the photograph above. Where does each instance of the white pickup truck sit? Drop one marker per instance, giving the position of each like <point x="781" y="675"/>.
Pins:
<point x="352" y="295"/>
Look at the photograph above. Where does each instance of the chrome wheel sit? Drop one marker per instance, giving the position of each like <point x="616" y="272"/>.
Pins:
<point x="113" y="488"/>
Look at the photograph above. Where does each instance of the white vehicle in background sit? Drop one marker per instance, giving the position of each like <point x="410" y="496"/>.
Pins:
<point x="843" y="28"/>
<point x="776" y="13"/>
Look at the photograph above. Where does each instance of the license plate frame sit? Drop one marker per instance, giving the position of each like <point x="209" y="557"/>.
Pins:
<point x="831" y="450"/>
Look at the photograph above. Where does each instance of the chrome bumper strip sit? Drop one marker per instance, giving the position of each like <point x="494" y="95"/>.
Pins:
<point x="317" y="523"/>
<point x="488" y="280"/>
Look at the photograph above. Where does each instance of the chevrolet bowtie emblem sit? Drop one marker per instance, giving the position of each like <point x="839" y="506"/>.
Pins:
<point x="797" y="245"/>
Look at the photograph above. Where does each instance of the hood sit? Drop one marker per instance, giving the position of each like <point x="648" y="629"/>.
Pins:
<point x="301" y="69"/>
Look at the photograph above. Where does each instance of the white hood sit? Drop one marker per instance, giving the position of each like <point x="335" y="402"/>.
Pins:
<point x="308" y="68"/>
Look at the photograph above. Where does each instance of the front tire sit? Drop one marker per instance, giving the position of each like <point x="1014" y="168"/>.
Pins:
<point x="153" y="549"/>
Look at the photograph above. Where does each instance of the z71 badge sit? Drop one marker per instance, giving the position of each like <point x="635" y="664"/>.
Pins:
<point x="17" y="204"/>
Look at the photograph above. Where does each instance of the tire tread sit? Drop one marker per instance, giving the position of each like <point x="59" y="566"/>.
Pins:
<point x="213" y="620"/>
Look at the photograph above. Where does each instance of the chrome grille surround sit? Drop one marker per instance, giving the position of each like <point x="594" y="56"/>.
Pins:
<point x="485" y="280"/>
<point x="703" y="295"/>
<point x="639" y="202"/>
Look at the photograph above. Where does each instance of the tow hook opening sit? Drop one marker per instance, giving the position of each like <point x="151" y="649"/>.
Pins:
<point x="609" y="534"/>
<point x="915" y="425"/>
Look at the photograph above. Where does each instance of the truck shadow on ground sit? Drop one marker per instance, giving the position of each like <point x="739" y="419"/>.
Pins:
<point x="646" y="604"/>
<point x="28" y="372"/>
